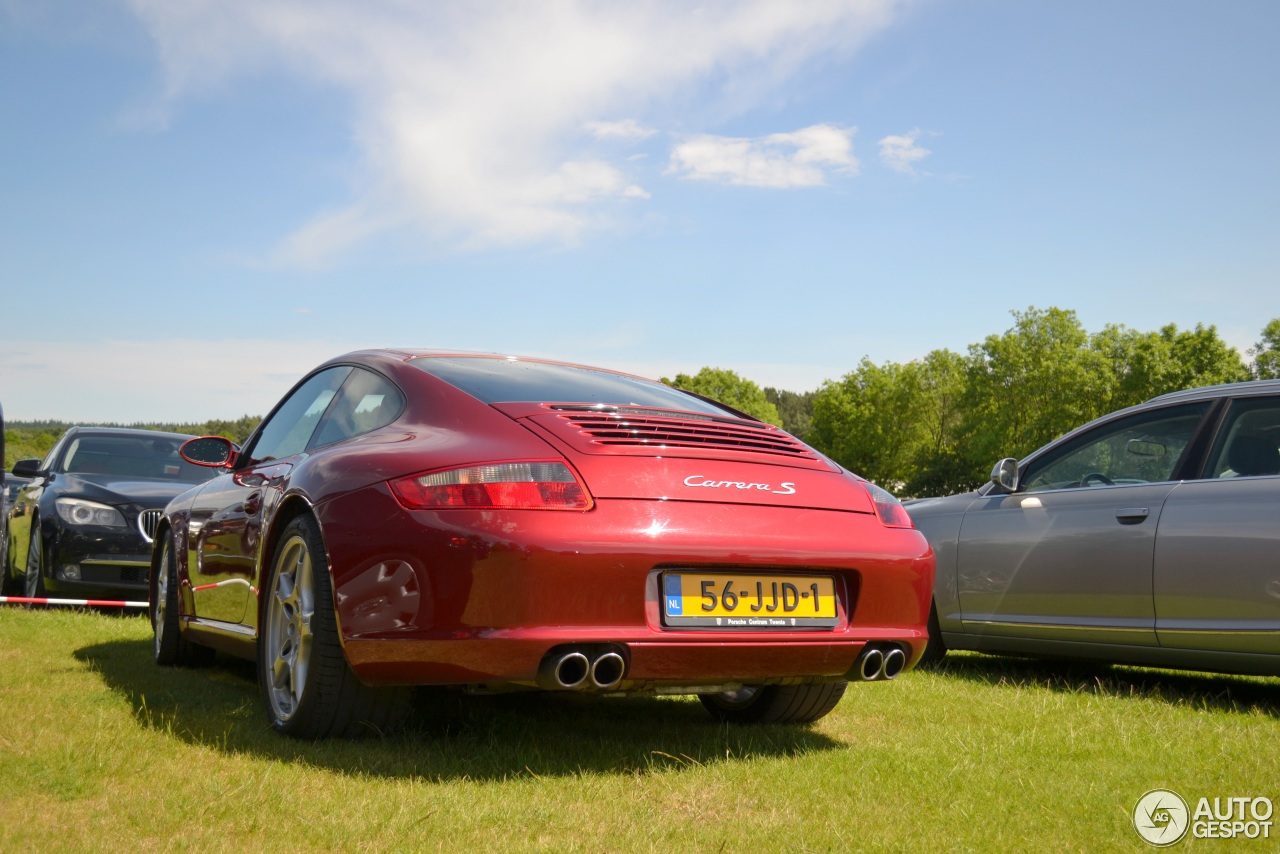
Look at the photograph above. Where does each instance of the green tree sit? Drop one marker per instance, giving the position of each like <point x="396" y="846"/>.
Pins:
<point x="939" y="466"/>
<point x="730" y="389"/>
<point x="865" y="421"/>
<point x="1035" y="382"/>
<point x="1202" y="358"/>
<point x="1146" y="364"/>
<point x="1266" y="353"/>
<point x="796" y="410"/>
<point x="22" y="443"/>
<point x="895" y="424"/>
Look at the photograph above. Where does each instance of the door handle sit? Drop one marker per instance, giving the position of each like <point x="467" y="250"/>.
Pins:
<point x="1131" y="515"/>
<point x="253" y="503"/>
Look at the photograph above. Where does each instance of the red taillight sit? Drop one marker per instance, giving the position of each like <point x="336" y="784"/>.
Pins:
<point x="522" y="486"/>
<point x="890" y="510"/>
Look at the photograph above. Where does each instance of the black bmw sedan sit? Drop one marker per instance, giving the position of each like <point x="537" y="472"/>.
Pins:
<point x="83" y="526"/>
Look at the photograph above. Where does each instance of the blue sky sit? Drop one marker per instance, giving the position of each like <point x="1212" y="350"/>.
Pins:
<point x="199" y="201"/>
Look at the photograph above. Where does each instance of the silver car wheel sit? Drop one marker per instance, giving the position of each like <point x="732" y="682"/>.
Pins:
<point x="288" y="634"/>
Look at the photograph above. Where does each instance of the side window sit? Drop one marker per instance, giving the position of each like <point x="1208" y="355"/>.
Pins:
<point x="366" y="402"/>
<point x="289" y="429"/>
<point x="1249" y="442"/>
<point x="1142" y="448"/>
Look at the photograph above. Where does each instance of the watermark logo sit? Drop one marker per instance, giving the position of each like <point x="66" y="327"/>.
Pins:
<point x="1161" y="817"/>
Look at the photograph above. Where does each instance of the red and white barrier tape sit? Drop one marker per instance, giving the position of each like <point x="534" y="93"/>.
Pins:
<point x="97" y="603"/>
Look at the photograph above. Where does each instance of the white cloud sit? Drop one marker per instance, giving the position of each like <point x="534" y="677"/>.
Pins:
<point x="627" y="130"/>
<point x="781" y="160"/>
<point x="901" y="153"/>
<point x="468" y="115"/>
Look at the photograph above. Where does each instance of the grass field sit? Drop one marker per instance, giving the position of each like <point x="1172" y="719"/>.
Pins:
<point x="101" y="750"/>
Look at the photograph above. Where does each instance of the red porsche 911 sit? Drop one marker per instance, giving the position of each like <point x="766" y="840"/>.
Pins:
<point x="409" y="518"/>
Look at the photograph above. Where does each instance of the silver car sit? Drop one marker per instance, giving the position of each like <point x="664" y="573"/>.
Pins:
<point x="1150" y="536"/>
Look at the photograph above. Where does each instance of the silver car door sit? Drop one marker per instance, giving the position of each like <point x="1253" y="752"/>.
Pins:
<point x="1069" y="557"/>
<point x="1217" y="579"/>
<point x="1072" y="565"/>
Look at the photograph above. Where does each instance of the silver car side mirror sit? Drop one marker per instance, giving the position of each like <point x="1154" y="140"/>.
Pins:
<point x="1005" y="475"/>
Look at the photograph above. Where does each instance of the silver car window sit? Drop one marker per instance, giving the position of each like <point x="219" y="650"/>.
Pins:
<point x="1142" y="448"/>
<point x="1249" y="443"/>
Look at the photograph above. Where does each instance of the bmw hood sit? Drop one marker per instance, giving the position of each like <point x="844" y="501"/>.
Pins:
<point x="116" y="490"/>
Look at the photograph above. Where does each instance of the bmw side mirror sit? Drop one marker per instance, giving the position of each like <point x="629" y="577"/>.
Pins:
<point x="1005" y="475"/>
<point x="209" y="451"/>
<point x="26" y="468"/>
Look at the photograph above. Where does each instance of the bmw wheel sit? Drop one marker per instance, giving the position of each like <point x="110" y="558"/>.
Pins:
<point x="774" y="704"/>
<point x="33" y="583"/>
<point x="307" y="687"/>
<point x="169" y="647"/>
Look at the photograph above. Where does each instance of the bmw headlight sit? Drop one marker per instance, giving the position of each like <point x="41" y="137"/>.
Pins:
<point x="77" y="512"/>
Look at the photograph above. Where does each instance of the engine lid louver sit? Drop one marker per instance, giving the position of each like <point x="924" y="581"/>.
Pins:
<point x="637" y="431"/>
<point x="649" y="431"/>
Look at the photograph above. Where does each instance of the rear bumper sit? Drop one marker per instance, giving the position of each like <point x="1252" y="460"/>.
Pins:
<point x="481" y="598"/>
<point x="652" y="664"/>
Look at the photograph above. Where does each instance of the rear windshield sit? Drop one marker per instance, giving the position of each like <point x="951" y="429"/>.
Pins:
<point x="514" y="381"/>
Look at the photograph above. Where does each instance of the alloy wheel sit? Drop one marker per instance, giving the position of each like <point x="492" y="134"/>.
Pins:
<point x="288" y="634"/>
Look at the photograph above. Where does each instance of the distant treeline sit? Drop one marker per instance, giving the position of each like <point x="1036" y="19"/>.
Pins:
<point x="935" y="425"/>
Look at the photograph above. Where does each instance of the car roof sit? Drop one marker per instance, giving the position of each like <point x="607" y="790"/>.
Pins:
<point x="407" y="354"/>
<point x="127" y="431"/>
<point x="1224" y="390"/>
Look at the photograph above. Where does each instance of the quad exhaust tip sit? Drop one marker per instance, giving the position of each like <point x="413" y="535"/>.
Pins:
<point x="871" y="664"/>
<point x="571" y="671"/>
<point x="894" y="660"/>
<point x="879" y="662"/>
<point x="586" y="668"/>
<point x="607" y="670"/>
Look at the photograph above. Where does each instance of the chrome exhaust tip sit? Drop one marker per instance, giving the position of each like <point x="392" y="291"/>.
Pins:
<point x="607" y="671"/>
<point x="565" y="671"/>
<point x="571" y="670"/>
<point x="870" y="664"/>
<point x="894" y="660"/>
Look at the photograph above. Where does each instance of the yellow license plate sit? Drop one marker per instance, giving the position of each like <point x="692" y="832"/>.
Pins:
<point x="733" y="601"/>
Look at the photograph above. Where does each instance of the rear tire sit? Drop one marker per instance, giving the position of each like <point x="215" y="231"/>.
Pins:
<point x="169" y="647"/>
<point x="774" y="704"/>
<point x="307" y="687"/>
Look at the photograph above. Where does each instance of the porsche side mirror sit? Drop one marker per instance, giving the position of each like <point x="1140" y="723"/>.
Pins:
<point x="209" y="451"/>
<point x="1005" y="475"/>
